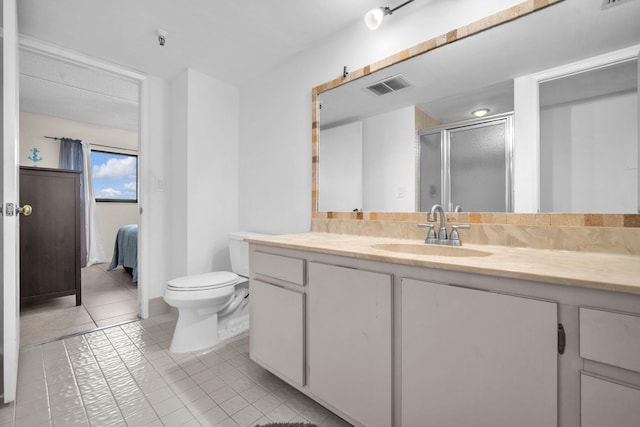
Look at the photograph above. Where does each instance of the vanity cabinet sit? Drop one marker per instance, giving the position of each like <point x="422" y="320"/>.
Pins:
<point x="613" y="340"/>
<point x="350" y="342"/>
<point x="472" y="357"/>
<point x="277" y="313"/>
<point x="381" y="343"/>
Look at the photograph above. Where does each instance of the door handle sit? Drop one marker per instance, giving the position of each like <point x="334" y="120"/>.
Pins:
<point x="25" y="210"/>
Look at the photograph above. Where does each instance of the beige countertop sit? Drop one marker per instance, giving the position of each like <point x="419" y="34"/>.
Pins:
<point x="619" y="273"/>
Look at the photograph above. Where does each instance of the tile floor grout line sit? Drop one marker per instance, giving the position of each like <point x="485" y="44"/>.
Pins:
<point x="135" y="354"/>
<point x="73" y="334"/>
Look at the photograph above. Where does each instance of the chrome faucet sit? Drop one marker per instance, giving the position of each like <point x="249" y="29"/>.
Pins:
<point x="442" y="238"/>
<point x="442" y="233"/>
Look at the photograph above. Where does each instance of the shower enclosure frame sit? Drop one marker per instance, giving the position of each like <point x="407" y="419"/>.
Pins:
<point x="445" y="132"/>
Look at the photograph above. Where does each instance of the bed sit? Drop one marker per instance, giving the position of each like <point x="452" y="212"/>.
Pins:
<point x="125" y="251"/>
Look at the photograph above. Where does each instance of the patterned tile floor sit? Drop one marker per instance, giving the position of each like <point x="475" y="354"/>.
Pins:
<point x="125" y="376"/>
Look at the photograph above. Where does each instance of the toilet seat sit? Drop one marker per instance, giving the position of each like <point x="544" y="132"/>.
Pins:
<point x="202" y="282"/>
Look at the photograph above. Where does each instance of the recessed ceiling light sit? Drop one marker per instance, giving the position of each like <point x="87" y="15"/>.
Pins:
<point x="480" y="112"/>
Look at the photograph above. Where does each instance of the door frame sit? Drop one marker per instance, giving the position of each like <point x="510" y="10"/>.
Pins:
<point x="10" y="194"/>
<point x="526" y="96"/>
<point x="42" y="48"/>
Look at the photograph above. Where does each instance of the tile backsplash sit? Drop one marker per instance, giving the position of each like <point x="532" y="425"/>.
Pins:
<point x="539" y="219"/>
<point x="614" y="234"/>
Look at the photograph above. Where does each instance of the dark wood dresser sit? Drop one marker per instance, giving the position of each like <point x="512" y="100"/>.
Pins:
<point x="50" y="236"/>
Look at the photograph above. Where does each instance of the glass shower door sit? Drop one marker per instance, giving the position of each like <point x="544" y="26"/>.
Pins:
<point x="478" y="166"/>
<point x="430" y="169"/>
<point x="467" y="166"/>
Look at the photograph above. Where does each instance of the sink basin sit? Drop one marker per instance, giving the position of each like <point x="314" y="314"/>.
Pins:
<point x="431" y="250"/>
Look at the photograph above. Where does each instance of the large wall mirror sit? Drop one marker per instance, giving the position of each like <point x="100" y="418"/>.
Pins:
<point x="405" y="137"/>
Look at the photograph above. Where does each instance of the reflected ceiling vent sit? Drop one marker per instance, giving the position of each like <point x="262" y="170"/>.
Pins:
<point x="610" y="3"/>
<point x="388" y="85"/>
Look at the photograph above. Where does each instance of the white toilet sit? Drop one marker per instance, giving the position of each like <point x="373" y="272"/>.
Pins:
<point x="212" y="306"/>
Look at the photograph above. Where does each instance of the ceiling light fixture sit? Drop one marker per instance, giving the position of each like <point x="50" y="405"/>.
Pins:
<point x="480" y="112"/>
<point x="374" y="17"/>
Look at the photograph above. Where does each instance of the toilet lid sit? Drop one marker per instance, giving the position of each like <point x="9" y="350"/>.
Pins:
<point x="217" y="279"/>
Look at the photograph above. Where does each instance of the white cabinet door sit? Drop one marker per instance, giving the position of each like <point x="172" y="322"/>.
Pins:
<point x="474" y="358"/>
<point x="276" y="335"/>
<point x="604" y="403"/>
<point x="350" y="341"/>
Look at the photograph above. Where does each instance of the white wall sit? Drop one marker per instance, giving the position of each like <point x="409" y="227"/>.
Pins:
<point x="370" y="164"/>
<point x="341" y="168"/>
<point x="275" y="109"/>
<point x="203" y="165"/>
<point x="389" y="161"/>
<point x="34" y="127"/>
<point x="178" y="179"/>
<point x="158" y="200"/>
<point x="589" y="155"/>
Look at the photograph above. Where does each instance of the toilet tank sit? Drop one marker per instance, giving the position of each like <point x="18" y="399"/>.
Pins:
<point x="239" y="251"/>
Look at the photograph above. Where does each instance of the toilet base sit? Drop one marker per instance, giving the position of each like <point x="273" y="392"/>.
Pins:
<point x="198" y="329"/>
<point x="195" y="330"/>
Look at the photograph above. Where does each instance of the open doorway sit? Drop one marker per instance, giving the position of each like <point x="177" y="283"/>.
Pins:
<point x="62" y="99"/>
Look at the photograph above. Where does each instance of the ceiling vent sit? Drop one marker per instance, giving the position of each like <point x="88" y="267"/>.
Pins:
<point x="609" y="3"/>
<point x="388" y="85"/>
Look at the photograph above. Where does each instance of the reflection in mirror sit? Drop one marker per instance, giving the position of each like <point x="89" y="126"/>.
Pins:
<point x="467" y="166"/>
<point x="342" y="173"/>
<point x="459" y="77"/>
<point x="368" y="164"/>
<point x="589" y="141"/>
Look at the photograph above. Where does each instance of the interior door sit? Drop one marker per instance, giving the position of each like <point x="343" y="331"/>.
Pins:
<point x="9" y="266"/>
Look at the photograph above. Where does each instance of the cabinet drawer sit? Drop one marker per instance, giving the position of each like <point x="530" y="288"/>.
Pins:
<point x="279" y="267"/>
<point x="610" y="338"/>
<point x="605" y="403"/>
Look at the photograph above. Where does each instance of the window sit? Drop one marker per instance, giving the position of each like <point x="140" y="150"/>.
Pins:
<point x="115" y="176"/>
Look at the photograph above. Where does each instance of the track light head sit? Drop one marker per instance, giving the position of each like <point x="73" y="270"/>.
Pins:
<point x="374" y="17"/>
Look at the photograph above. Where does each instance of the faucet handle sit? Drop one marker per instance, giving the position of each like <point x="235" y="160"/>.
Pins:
<point x="431" y="234"/>
<point x="454" y="238"/>
<point x="461" y="226"/>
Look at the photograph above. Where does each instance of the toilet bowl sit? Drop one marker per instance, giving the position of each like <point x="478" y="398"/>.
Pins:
<point x="212" y="306"/>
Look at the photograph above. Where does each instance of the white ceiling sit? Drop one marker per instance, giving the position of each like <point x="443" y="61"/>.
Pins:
<point x="54" y="87"/>
<point x="231" y="40"/>
<point x="237" y="40"/>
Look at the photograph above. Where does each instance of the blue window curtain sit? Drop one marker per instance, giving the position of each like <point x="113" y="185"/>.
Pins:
<point x="71" y="155"/>
<point x="76" y="155"/>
